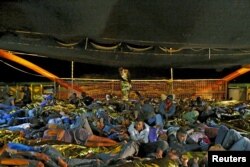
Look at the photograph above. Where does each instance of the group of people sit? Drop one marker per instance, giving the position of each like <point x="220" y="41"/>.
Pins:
<point x="144" y="129"/>
<point x="7" y="98"/>
<point x="8" y="102"/>
<point x="83" y="100"/>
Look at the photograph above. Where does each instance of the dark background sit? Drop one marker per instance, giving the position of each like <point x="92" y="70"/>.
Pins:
<point x="63" y="69"/>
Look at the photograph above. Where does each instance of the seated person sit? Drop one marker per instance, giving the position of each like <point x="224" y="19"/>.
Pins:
<point x="85" y="99"/>
<point x="73" y="99"/>
<point x="199" y="102"/>
<point x="149" y="115"/>
<point x="167" y="107"/>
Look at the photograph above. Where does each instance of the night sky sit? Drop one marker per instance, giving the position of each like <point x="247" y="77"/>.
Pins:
<point x="63" y="70"/>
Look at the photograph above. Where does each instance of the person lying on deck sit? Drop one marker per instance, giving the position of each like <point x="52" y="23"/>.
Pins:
<point x="80" y="133"/>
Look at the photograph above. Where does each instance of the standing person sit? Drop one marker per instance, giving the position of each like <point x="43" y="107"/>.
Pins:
<point x="26" y="95"/>
<point x="125" y="83"/>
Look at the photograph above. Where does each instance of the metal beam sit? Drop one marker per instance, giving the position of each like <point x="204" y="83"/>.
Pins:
<point x="9" y="56"/>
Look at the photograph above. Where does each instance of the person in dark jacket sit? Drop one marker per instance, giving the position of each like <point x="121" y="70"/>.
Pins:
<point x="180" y="141"/>
<point x="26" y="95"/>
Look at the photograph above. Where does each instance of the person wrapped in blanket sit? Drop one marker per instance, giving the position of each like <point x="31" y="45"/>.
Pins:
<point x="78" y="133"/>
<point x="181" y="141"/>
<point x="227" y="139"/>
<point x="16" y="154"/>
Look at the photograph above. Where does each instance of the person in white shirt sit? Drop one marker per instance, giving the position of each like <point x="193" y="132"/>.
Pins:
<point x="139" y="131"/>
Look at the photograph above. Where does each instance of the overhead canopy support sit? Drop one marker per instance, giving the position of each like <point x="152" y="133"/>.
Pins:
<point x="47" y="74"/>
<point x="236" y="73"/>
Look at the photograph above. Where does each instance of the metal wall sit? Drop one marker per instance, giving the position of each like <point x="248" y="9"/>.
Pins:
<point x="98" y="88"/>
<point x="208" y="89"/>
<point x="37" y="89"/>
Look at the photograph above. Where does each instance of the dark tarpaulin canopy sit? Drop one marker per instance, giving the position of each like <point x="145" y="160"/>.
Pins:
<point x="135" y="33"/>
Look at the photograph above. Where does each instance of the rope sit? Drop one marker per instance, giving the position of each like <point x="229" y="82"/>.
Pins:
<point x="20" y="69"/>
<point x="99" y="46"/>
<point x="139" y="49"/>
<point x="171" y="50"/>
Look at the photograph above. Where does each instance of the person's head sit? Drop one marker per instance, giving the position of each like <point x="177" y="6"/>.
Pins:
<point x="216" y="147"/>
<point x="173" y="154"/>
<point x="120" y="69"/>
<point x="146" y="101"/>
<point x="184" y="160"/>
<point x="169" y="99"/>
<point x="123" y="71"/>
<point x="163" y="97"/>
<point x="162" y="136"/>
<point x="73" y="96"/>
<point x="100" y="124"/>
<point x="108" y="97"/>
<point x="126" y="122"/>
<point x="181" y="135"/>
<point x="199" y="100"/>
<point x="25" y="87"/>
<point x="83" y="94"/>
<point x="139" y="125"/>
